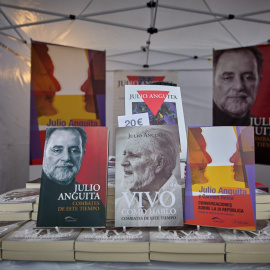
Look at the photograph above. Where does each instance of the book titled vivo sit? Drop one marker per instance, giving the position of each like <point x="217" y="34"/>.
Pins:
<point x="147" y="182"/>
<point x="248" y="246"/>
<point x="220" y="177"/>
<point x="74" y="178"/>
<point x="163" y="105"/>
<point x="187" y="244"/>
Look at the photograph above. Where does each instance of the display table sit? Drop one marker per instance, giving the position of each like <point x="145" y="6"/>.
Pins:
<point x="153" y="265"/>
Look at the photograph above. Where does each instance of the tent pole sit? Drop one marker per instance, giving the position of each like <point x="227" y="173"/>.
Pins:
<point x="195" y="11"/>
<point x="110" y="23"/>
<point x="192" y="24"/>
<point x="17" y="32"/>
<point x="111" y="11"/>
<point x="31" y="24"/>
<point x="121" y="54"/>
<point x="252" y="20"/>
<point x="34" y="10"/>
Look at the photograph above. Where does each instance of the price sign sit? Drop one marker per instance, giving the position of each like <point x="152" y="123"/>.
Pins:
<point x="133" y="120"/>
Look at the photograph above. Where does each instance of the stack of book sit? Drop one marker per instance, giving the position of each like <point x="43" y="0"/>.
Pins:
<point x="248" y="246"/>
<point x="113" y="244"/>
<point x="6" y="228"/>
<point x="36" y="244"/>
<point x="35" y="209"/>
<point x="187" y="244"/>
<point x="262" y="204"/>
<point x="17" y="204"/>
<point x="111" y="189"/>
<point x="33" y="183"/>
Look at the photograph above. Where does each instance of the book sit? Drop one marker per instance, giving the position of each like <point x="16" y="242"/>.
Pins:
<point x="111" y="175"/>
<point x="262" y="196"/>
<point x="261" y="186"/>
<point x="74" y="178"/>
<point x="30" y="238"/>
<point x="34" y="215"/>
<point x="220" y="177"/>
<point x="248" y="258"/>
<point x="33" y="183"/>
<point x="262" y="215"/>
<point x="15" y="216"/>
<point x="7" y="227"/>
<point x="248" y="246"/>
<point x="147" y="189"/>
<point x="188" y="239"/>
<point x="18" y="199"/>
<point x="242" y="241"/>
<point x="34" y="255"/>
<point x="262" y="207"/>
<point x="113" y="240"/>
<point x="163" y="105"/>
<point x="187" y="257"/>
<point x="112" y="256"/>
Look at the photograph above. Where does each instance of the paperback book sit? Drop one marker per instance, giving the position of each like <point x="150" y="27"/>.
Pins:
<point x="147" y="189"/>
<point x="32" y="243"/>
<point x="220" y="177"/>
<point x="30" y="238"/>
<point x="18" y="199"/>
<point x="113" y="240"/>
<point x="33" y="183"/>
<point x="248" y="246"/>
<point x="15" y="215"/>
<point x="74" y="178"/>
<point x="7" y="227"/>
<point x="188" y="239"/>
<point x="163" y="105"/>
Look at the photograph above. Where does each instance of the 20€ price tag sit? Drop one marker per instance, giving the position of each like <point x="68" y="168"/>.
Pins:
<point x="134" y="120"/>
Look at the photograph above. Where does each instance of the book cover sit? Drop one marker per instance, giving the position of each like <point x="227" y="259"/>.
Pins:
<point x="241" y="241"/>
<point x="187" y="239"/>
<point x="7" y="227"/>
<point x="147" y="189"/>
<point x="74" y="178"/>
<point x="18" y="199"/>
<point x="113" y="240"/>
<point x="220" y="177"/>
<point x="30" y="238"/>
<point x="163" y="105"/>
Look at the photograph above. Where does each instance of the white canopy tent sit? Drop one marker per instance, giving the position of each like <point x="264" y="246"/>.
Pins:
<point x="137" y="35"/>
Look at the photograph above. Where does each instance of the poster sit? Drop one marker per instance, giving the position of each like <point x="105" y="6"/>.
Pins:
<point x="241" y="93"/>
<point x="133" y="77"/>
<point x="67" y="89"/>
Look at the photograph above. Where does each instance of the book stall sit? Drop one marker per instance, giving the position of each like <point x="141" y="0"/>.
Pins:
<point x="135" y="209"/>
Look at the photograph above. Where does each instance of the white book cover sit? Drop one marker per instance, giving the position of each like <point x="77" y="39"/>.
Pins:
<point x="162" y="103"/>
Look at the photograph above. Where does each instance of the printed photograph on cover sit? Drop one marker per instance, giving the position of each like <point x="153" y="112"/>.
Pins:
<point x="148" y="189"/>
<point x="220" y="177"/>
<point x="241" y="92"/>
<point x="62" y="78"/>
<point x="74" y="177"/>
<point x="162" y="103"/>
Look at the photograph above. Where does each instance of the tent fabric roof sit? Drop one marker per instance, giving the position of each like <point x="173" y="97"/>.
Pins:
<point x="187" y="30"/>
